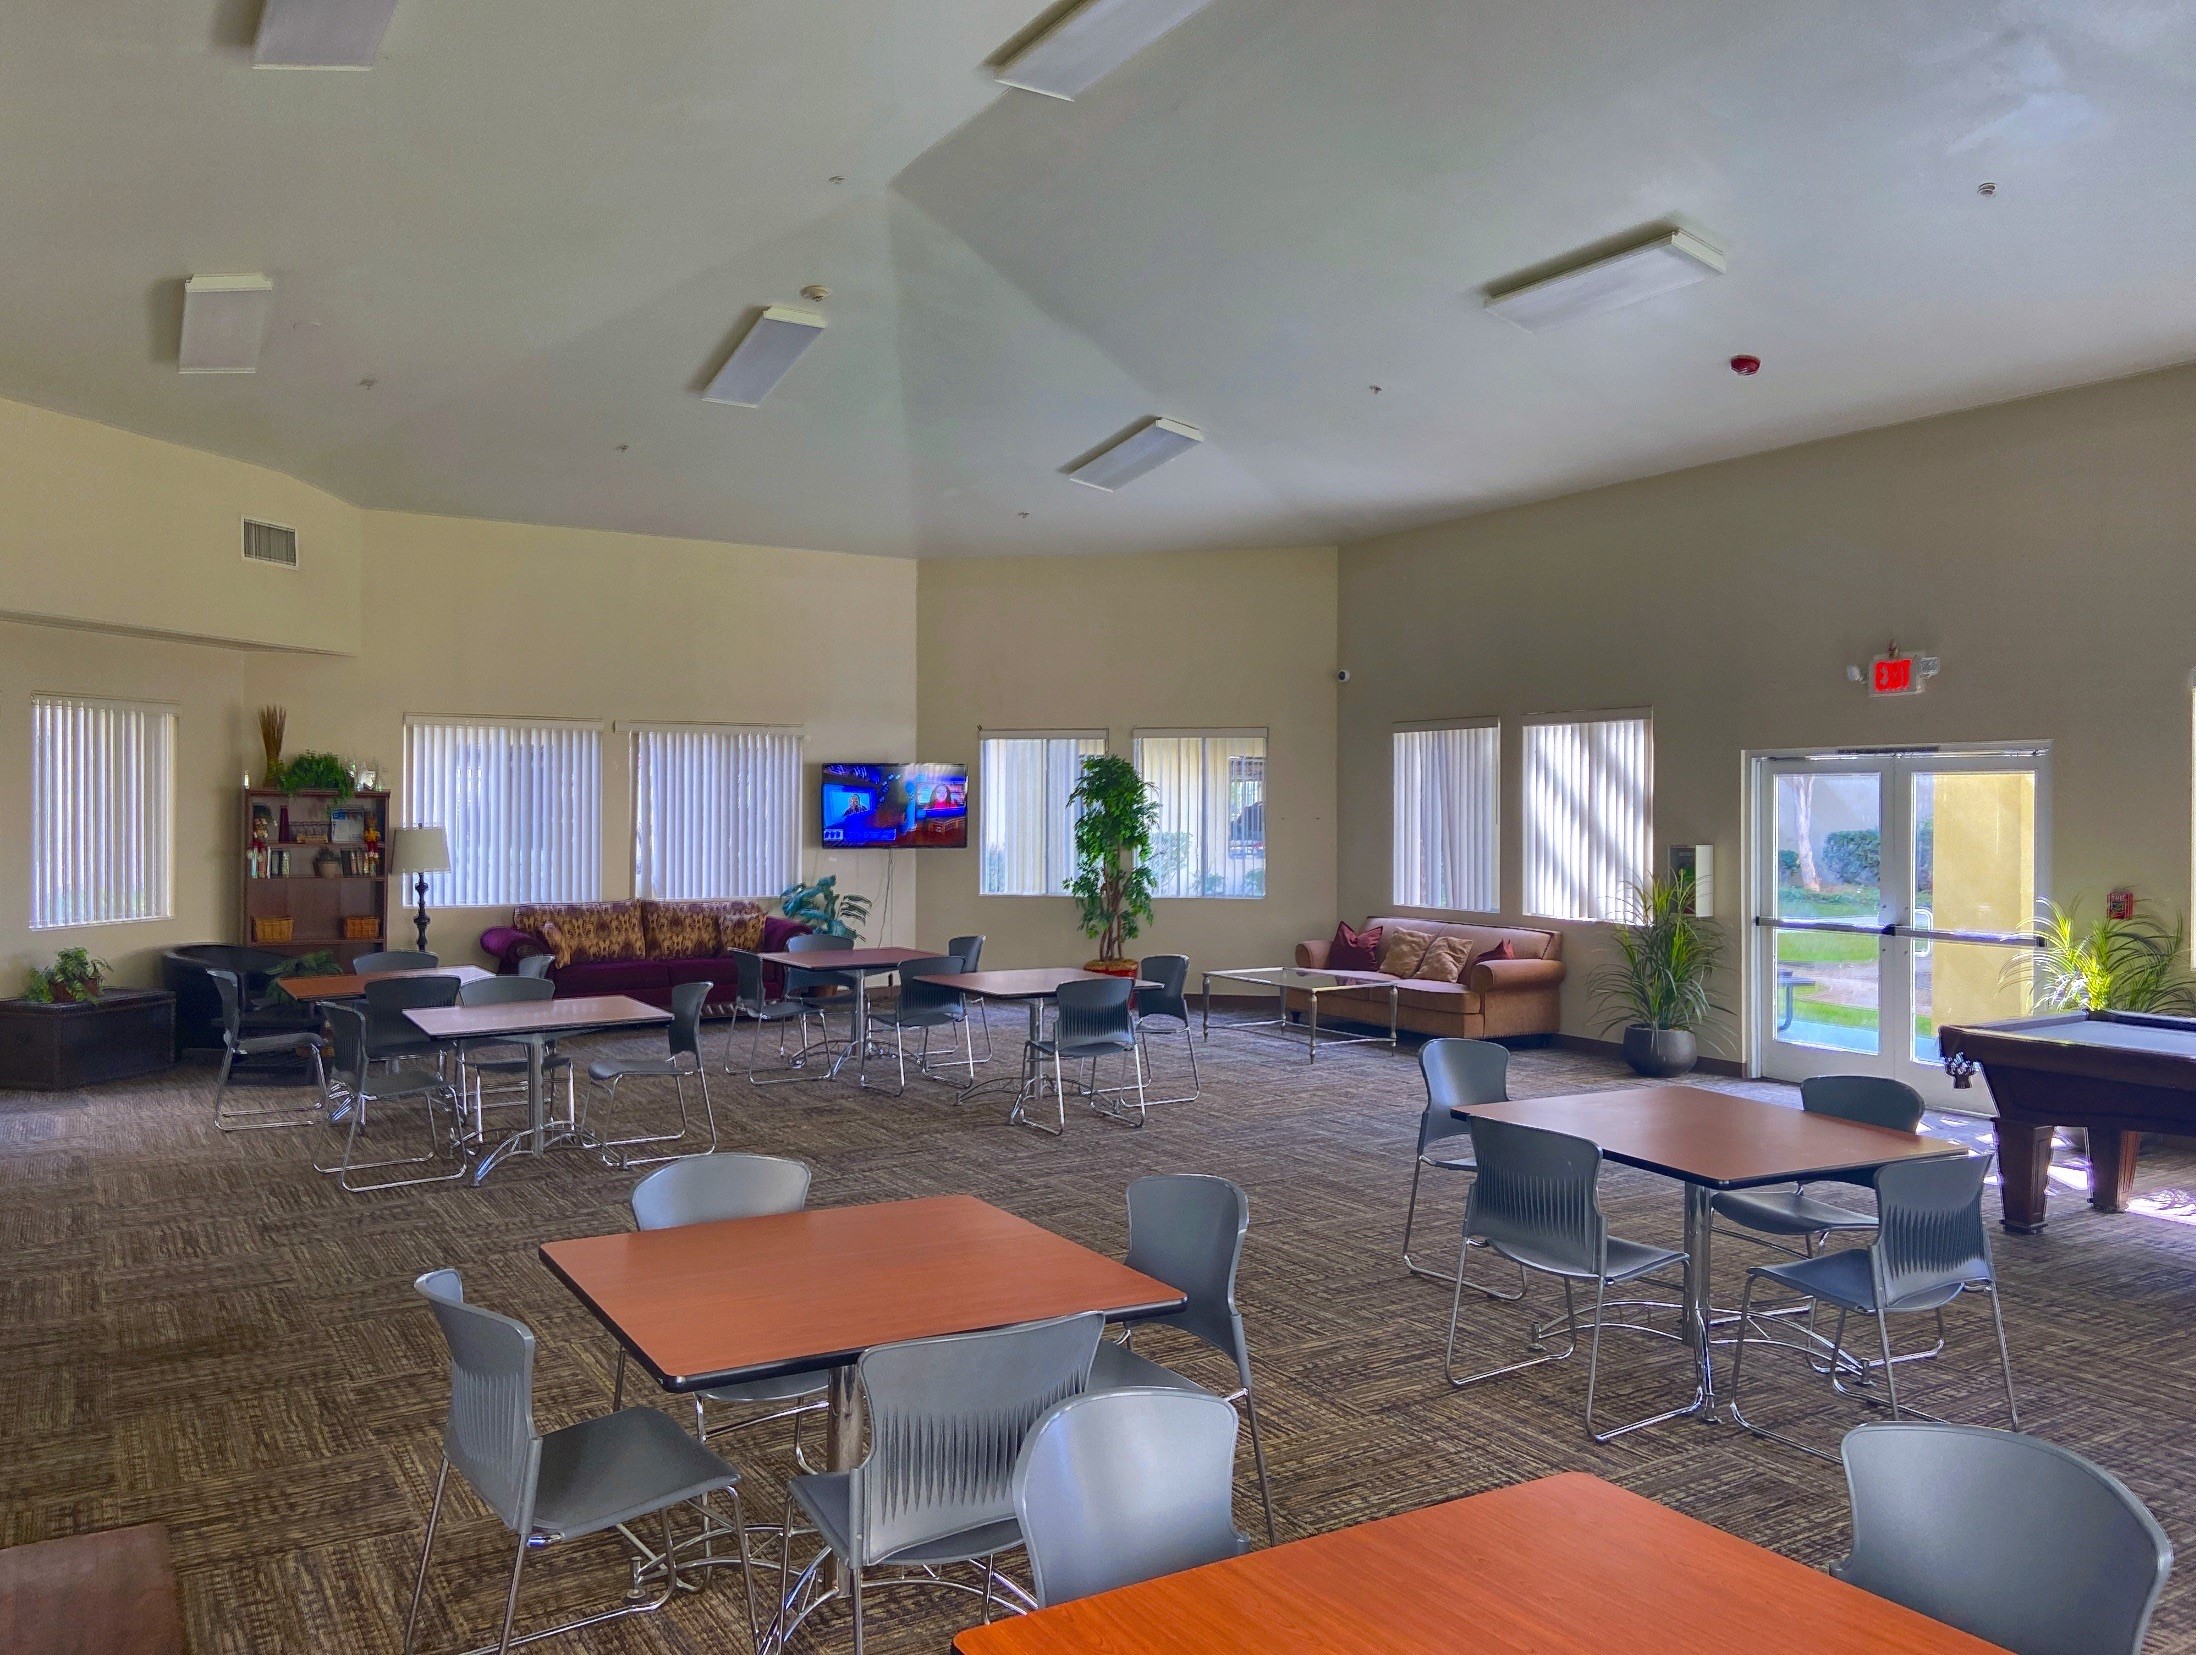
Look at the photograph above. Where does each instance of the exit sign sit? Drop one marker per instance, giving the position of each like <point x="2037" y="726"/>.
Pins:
<point x="1900" y="674"/>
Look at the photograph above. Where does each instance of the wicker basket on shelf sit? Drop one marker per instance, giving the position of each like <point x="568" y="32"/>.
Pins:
<point x="361" y="928"/>
<point x="271" y="928"/>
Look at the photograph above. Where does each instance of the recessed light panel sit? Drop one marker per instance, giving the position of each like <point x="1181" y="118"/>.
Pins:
<point x="765" y="354"/>
<point x="1144" y="449"/>
<point x="1660" y="266"/>
<point x="321" y="34"/>
<point x="224" y="323"/>
<point x="1091" y="42"/>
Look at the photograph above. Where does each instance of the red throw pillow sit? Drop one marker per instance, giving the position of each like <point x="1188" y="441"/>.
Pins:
<point x="1354" y="950"/>
<point x="1501" y="951"/>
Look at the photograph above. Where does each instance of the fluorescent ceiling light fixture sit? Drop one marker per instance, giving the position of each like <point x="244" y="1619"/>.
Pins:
<point x="224" y="323"/>
<point x="765" y="354"/>
<point x="321" y="34"/>
<point x="1090" y="42"/>
<point x="1660" y="266"/>
<point x="1146" y="448"/>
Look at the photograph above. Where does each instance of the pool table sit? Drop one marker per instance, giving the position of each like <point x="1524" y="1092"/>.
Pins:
<point x="2118" y="1074"/>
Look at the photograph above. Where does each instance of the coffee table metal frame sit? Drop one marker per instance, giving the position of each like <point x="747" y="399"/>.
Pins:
<point x="1312" y="984"/>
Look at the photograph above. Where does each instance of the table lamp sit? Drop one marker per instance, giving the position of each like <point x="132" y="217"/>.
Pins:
<point x="419" y="851"/>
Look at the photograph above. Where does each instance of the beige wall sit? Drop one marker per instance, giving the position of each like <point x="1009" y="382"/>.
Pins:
<point x="2045" y="549"/>
<point x="1208" y="640"/>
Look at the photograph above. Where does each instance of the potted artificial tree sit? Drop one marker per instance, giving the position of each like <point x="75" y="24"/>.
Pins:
<point x="1658" y="990"/>
<point x="1114" y="814"/>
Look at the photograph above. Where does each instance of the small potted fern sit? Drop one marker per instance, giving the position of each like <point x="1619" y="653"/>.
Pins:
<point x="1658" y="990"/>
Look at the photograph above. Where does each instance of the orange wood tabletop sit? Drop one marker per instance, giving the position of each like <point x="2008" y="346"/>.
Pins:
<point x="1035" y="983"/>
<point x="1568" y="1565"/>
<point x="349" y="985"/>
<point x="1716" y="1138"/>
<point x="585" y="1011"/>
<point x="851" y="959"/>
<point x="704" y="1304"/>
<point x="111" y="1593"/>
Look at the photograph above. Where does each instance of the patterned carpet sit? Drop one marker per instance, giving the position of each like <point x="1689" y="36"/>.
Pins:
<point x="198" y="1329"/>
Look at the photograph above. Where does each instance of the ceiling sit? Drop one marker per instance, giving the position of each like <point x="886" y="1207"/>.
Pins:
<point x="535" y="226"/>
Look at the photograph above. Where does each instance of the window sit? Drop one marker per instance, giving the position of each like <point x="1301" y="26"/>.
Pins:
<point x="102" y="811"/>
<point x="521" y="804"/>
<point x="1210" y="839"/>
<point x="1448" y="818"/>
<point x="716" y="812"/>
<point x="1589" y="814"/>
<point x="1028" y="833"/>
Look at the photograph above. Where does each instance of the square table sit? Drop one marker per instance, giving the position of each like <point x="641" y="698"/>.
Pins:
<point x="860" y="964"/>
<point x="1296" y="979"/>
<point x="1711" y="1141"/>
<point x="1568" y="1565"/>
<point x="1033" y="986"/>
<point x="349" y="985"/>
<point x="531" y="1023"/>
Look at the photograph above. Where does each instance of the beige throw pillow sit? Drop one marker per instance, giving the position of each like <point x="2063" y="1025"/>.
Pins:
<point x="1401" y="950"/>
<point x="1447" y="960"/>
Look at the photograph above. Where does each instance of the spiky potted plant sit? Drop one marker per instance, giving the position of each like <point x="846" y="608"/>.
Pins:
<point x="1657" y="991"/>
<point x="826" y="909"/>
<point x="1114" y="815"/>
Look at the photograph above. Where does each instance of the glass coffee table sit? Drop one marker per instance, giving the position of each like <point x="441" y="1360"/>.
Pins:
<point x="1287" y="979"/>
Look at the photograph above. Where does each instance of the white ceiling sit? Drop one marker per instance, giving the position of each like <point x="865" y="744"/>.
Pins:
<point x="536" y="224"/>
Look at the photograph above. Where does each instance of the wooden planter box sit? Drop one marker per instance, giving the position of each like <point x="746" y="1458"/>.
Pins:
<point x="59" y="1048"/>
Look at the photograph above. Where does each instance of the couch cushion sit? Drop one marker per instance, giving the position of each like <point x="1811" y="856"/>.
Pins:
<point x="741" y="930"/>
<point x="1529" y="944"/>
<point x="679" y="930"/>
<point x="1401" y="948"/>
<point x="1450" y="999"/>
<point x="1447" y="960"/>
<point x="641" y="978"/>
<point x="590" y="930"/>
<point x="1354" y="950"/>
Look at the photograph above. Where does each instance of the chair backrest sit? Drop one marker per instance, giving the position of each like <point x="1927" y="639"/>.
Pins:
<point x="1538" y="1192"/>
<point x="1187" y="1229"/>
<point x="1171" y="973"/>
<point x="1122" y="1486"/>
<point x="752" y="989"/>
<point x="536" y="965"/>
<point x="1873" y="1100"/>
<point x="813" y="942"/>
<point x="389" y="998"/>
<point x="400" y="959"/>
<point x="687" y="1000"/>
<point x="1092" y="1008"/>
<point x="704" y="1188"/>
<point x="920" y="996"/>
<point x="968" y="950"/>
<point x="347" y="1034"/>
<point x="232" y="1004"/>
<point x="947" y="1418"/>
<point x="1459" y="1072"/>
<point x="2011" y="1538"/>
<point x="1930" y="1233"/>
<point x="489" y="1435"/>
<point x="504" y="991"/>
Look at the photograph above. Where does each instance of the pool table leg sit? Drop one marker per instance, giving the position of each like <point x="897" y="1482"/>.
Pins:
<point x="2111" y="1167"/>
<point x="2024" y="1169"/>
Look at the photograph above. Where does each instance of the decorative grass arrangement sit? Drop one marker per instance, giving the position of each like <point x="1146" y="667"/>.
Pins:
<point x="272" y="722"/>
<point x="1666" y="960"/>
<point x="2114" y="965"/>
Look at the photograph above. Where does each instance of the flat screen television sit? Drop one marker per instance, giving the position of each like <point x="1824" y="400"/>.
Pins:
<point x="924" y="806"/>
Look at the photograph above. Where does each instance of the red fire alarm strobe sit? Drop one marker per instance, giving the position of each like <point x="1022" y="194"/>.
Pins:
<point x="2120" y="904"/>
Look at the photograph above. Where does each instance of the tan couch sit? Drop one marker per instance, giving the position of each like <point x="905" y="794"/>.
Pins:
<point x="1497" y="998"/>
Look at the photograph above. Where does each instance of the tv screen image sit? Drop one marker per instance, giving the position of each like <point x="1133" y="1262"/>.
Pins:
<point x="923" y="806"/>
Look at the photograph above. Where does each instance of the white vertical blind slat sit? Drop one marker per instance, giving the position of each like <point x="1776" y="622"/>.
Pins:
<point x="521" y="805"/>
<point x="102" y="810"/>
<point x="716" y="812"/>
<point x="1589" y="816"/>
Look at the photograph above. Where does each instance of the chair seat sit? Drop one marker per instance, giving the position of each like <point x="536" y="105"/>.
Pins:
<point x="602" y="1472"/>
<point x="403" y="1083"/>
<point x="774" y="1011"/>
<point x="1117" y="1368"/>
<point x="1788" y="1212"/>
<point x="1102" y="1045"/>
<point x="1628" y="1260"/>
<point x="784" y="1387"/>
<point x="608" y="1068"/>
<point x="892" y="1017"/>
<point x="1451" y="1160"/>
<point x="827" y="1497"/>
<point x="514" y="1065"/>
<point x="258" y="1045"/>
<point x="1844" y="1279"/>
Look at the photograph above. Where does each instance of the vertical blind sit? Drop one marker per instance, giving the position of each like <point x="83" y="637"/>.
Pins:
<point x="521" y="804"/>
<point x="1589" y="816"/>
<point x="102" y="811"/>
<point x="716" y="812"/>
<point x="1210" y="839"/>
<point x="1448" y="818"/>
<point x="1028" y="834"/>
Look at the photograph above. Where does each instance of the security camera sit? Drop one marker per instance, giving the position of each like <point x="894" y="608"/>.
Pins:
<point x="1343" y="676"/>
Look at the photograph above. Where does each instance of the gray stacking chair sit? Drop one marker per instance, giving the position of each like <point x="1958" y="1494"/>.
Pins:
<point x="820" y="989"/>
<point x="1169" y="999"/>
<point x="923" y="1006"/>
<point x="1931" y="1246"/>
<point x="356" y="1093"/>
<point x="390" y="1035"/>
<point x="947" y="1420"/>
<point x="600" y="1474"/>
<point x="506" y="1057"/>
<point x="2011" y="1538"/>
<point x="682" y="1060"/>
<point x="235" y="1043"/>
<point x="1794" y="1211"/>
<point x="537" y="965"/>
<point x="1186" y="1229"/>
<point x="751" y="1000"/>
<point x="1457" y="1073"/>
<point x="1092" y="1020"/>
<point x="1537" y="1201"/>
<point x="400" y="959"/>
<point x="1121" y="1486"/>
<point x="970" y="952"/>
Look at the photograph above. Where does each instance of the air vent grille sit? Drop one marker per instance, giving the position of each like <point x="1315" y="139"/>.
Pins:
<point x="270" y="543"/>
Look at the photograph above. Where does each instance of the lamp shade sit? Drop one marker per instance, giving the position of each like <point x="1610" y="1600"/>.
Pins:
<point x="419" y="850"/>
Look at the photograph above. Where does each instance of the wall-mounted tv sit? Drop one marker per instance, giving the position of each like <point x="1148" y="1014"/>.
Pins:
<point x="895" y="805"/>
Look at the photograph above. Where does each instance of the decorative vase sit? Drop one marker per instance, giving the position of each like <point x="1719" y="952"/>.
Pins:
<point x="1659" y="1054"/>
<point x="328" y="865"/>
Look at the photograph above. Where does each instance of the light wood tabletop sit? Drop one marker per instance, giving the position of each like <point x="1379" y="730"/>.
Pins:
<point x="349" y="985"/>
<point x="513" y="1017"/>
<point x="707" y="1304"/>
<point x="849" y="959"/>
<point x="1716" y="1139"/>
<point x="1568" y="1565"/>
<point x="1035" y="983"/>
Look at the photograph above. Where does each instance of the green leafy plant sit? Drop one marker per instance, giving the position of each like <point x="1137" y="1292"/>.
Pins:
<point x="825" y="908"/>
<point x="1115" y="813"/>
<point x="314" y="773"/>
<point x="2111" y="965"/>
<point x="74" y="975"/>
<point x="1668" y="957"/>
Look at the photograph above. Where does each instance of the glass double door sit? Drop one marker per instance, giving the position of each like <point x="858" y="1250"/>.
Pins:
<point x="1894" y="892"/>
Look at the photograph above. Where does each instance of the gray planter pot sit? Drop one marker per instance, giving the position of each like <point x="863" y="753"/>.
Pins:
<point x="1660" y="1054"/>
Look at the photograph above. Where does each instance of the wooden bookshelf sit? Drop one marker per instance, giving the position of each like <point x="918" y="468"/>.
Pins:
<point x="283" y="835"/>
